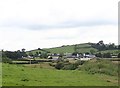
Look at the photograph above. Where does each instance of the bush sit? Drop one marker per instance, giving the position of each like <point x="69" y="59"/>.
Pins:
<point x="79" y="62"/>
<point x="107" y="55"/>
<point x="98" y="55"/>
<point x="66" y="61"/>
<point x="43" y="55"/>
<point x="70" y="67"/>
<point x="119" y="55"/>
<point x="59" y="65"/>
<point x="52" y="64"/>
<point x="6" y="60"/>
<point x="66" y="66"/>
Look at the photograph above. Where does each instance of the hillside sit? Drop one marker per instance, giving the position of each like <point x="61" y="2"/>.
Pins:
<point x="37" y="50"/>
<point x="82" y="48"/>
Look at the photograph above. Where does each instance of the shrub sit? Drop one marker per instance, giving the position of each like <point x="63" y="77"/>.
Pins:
<point x="52" y="64"/>
<point x="107" y="55"/>
<point x="100" y="66"/>
<point x="98" y="55"/>
<point x="119" y="55"/>
<point x="79" y="62"/>
<point x="70" y="67"/>
<point x="6" y="60"/>
<point x="66" y="61"/>
<point x="59" y="65"/>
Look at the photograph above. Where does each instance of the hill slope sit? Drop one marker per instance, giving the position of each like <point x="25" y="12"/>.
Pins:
<point x="82" y="48"/>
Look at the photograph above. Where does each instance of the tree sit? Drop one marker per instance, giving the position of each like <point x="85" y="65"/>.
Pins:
<point x="44" y="55"/>
<point x="119" y="47"/>
<point x="92" y="51"/>
<point x="74" y="53"/>
<point x="3" y="54"/>
<point x="98" y="55"/>
<point x="118" y="55"/>
<point x="23" y="50"/>
<point x="75" y="48"/>
<point x="12" y="55"/>
<point x="31" y="54"/>
<point x="59" y="65"/>
<point x="39" y="52"/>
<point x="100" y="46"/>
<point x="112" y="46"/>
<point x="107" y="55"/>
<point x="23" y="53"/>
<point x="19" y="54"/>
<point x="101" y="42"/>
<point x="39" y="49"/>
<point x="61" y="55"/>
<point x="87" y="53"/>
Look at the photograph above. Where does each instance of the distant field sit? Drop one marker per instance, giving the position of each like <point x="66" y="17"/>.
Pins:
<point x="111" y="51"/>
<point x="70" y="48"/>
<point x="34" y="51"/>
<point x="44" y="75"/>
<point x="82" y="48"/>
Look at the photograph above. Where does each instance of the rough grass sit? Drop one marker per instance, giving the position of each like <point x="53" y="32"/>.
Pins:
<point x="102" y="66"/>
<point x="20" y="75"/>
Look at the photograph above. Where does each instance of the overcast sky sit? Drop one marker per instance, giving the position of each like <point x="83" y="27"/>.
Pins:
<point x="33" y="24"/>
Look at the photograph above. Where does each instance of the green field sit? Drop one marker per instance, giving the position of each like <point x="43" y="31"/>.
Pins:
<point x="111" y="51"/>
<point x="67" y="48"/>
<point x="44" y="75"/>
<point x="36" y="50"/>
<point x="85" y="47"/>
<point x="82" y="48"/>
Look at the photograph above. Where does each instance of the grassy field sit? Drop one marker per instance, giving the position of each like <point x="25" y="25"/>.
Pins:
<point x="103" y="66"/>
<point x="44" y="75"/>
<point x="82" y="48"/>
<point x="36" y="50"/>
<point x="111" y="51"/>
<point x="70" y="48"/>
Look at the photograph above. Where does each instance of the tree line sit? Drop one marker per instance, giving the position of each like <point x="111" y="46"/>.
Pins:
<point x="101" y="46"/>
<point x="14" y="55"/>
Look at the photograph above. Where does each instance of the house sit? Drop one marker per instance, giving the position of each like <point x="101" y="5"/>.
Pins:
<point x="30" y="57"/>
<point x="49" y="57"/>
<point x="68" y="54"/>
<point x="114" y="56"/>
<point x="88" y="56"/>
<point x="85" y="59"/>
<point x="53" y="56"/>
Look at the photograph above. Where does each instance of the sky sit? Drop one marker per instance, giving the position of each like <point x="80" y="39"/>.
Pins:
<point x="33" y="24"/>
